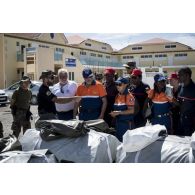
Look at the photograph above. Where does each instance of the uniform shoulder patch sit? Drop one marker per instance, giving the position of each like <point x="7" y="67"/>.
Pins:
<point x="48" y="93"/>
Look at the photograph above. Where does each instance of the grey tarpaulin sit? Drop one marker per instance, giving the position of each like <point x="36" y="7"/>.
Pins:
<point x="93" y="147"/>
<point x="170" y="149"/>
<point x="36" y="156"/>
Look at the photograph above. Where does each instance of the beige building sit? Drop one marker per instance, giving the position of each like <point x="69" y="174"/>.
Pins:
<point x="31" y="53"/>
<point x="156" y="54"/>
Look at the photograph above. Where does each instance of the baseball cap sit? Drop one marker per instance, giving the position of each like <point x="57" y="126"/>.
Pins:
<point x="87" y="72"/>
<point x="122" y="80"/>
<point x="25" y="79"/>
<point x="159" y="77"/>
<point x="46" y="73"/>
<point x="173" y="76"/>
<point x="109" y="71"/>
<point x="130" y="64"/>
<point x="136" y="72"/>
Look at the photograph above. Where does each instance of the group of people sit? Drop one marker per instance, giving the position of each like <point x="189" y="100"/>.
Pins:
<point x="121" y="102"/>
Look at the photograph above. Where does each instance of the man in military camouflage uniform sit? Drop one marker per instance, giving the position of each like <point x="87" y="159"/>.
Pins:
<point x="20" y="107"/>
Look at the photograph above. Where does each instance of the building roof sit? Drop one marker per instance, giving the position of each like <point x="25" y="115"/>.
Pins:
<point x="37" y="36"/>
<point x="26" y="35"/>
<point x="155" y="41"/>
<point x="75" y="39"/>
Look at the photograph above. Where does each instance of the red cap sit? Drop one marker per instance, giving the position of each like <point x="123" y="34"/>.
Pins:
<point x="136" y="72"/>
<point x="173" y="76"/>
<point x="109" y="71"/>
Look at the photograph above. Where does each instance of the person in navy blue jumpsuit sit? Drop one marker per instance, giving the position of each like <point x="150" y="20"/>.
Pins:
<point x="186" y="99"/>
<point x="123" y="108"/>
<point x="139" y="91"/>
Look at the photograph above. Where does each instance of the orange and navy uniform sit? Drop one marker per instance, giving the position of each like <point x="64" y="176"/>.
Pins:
<point x="161" y="108"/>
<point x="91" y="102"/>
<point x="123" y="122"/>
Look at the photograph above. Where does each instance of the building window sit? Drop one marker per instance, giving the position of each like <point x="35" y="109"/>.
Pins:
<point x="72" y="54"/>
<point x="128" y="57"/>
<point x="30" y="60"/>
<point x="160" y="55"/>
<point x="71" y="76"/>
<point x="29" y="44"/>
<point x="146" y="56"/>
<point x="22" y="48"/>
<point x="83" y="53"/>
<point x="104" y="48"/>
<point x="108" y="57"/>
<point x="100" y="56"/>
<point x="181" y="55"/>
<point x="88" y="44"/>
<point x="60" y="50"/>
<point x="93" y="54"/>
<point x="170" y="46"/>
<point x="137" y="48"/>
<point x="17" y="43"/>
<point x="44" y="46"/>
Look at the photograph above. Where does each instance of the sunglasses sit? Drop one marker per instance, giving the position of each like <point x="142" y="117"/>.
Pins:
<point x="119" y="84"/>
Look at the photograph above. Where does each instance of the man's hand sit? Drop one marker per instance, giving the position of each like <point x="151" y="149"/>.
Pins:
<point x="115" y="113"/>
<point x="77" y="99"/>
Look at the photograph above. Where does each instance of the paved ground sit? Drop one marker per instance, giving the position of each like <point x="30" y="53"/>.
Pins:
<point x="6" y="118"/>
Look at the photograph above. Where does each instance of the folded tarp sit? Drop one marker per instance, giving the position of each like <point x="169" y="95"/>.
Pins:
<point x="170" y="149"/>
<point x="94" y="147"/>
<point x="36" y="156"/>
<point x="137" y="139"/>
<point x="9" y="143"/>
<point x="192" y="142"/>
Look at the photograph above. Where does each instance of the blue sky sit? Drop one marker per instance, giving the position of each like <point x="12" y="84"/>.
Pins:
<point x="120" y="40"/>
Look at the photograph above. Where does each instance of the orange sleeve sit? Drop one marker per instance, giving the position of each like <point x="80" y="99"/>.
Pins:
<point x="150" y="93"/>
<point x="102" y="90"/>
<point x="130" y="100"/>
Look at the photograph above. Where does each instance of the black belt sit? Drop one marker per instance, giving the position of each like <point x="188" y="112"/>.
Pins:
<point x="162" y="115"/>
<point x="64" y="112"/>
<point x="89" y="110"/>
